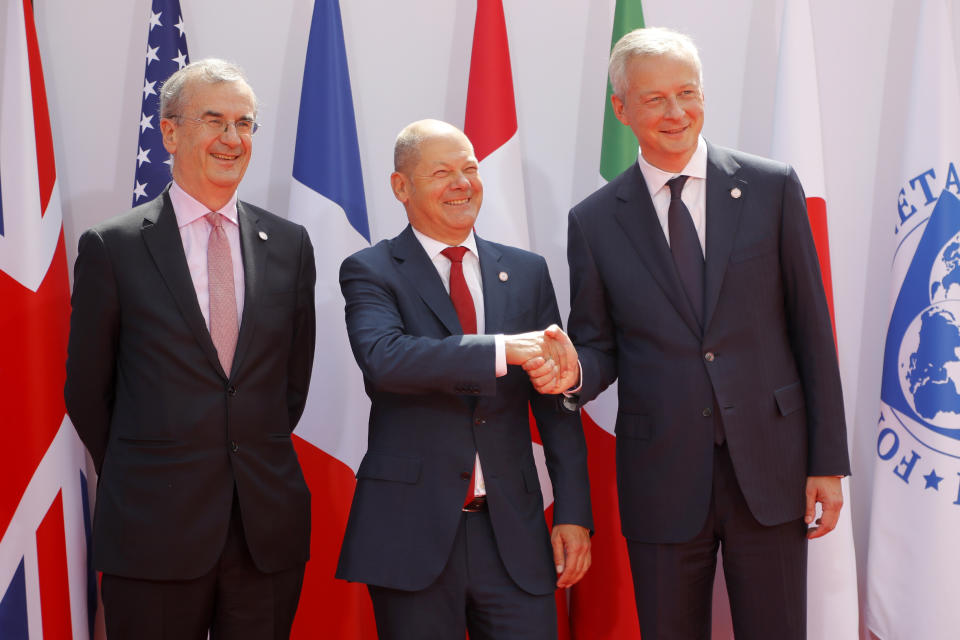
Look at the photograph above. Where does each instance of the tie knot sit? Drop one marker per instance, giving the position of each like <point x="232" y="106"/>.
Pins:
<point x="676" y="186"/>
<point x="454" y="254"/>
<point x="215" y="219"/>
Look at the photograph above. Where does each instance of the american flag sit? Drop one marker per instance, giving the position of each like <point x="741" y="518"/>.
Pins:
<point x="166" y="53"/>
<point x="46" y="589"/>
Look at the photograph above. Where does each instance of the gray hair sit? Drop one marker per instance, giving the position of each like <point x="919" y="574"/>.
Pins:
<point x="175" y="92"/>
<point x="406" y="150"/>
<point x="649" y="41"/>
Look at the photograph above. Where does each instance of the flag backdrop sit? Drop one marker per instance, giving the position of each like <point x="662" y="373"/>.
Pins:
<point x="913" y="555"/>
<point x="491" y="124"/>
<point x="45" y="587"/>
<point x="832" y="602"/>
<point x="166" y="53"/>
<point x="602" y="605"/>
<point x="327" y="197"/>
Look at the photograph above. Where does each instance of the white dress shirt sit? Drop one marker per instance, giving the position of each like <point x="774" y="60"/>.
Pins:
<point x="195" y="235"/>
<point x="694" y="193"/>
<point x="471" y="273"/>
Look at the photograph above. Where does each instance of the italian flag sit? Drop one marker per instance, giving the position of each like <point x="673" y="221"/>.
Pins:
<point x="602" y="605"/>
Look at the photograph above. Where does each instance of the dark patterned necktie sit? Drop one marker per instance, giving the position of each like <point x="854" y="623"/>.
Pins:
<point x="685" y="247"/>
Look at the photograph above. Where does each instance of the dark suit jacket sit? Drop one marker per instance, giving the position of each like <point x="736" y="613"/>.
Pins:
<point x="169" y="433"/>
<point x="435" y="402"/>
<point x="765" y="364"/>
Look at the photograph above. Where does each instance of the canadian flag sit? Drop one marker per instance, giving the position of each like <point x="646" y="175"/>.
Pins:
<point x="832" y="604"/>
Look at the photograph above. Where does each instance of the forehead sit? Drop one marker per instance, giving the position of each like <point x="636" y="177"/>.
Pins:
<point x="446" y="149"/>
<point x="220" y="97"/>
<point x="652" y="73"/>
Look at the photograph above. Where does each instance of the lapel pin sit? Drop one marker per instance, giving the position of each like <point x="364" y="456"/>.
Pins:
<point x="263" y="235"/>
<point x="735" y="193"/>
<point x="503" y="276"/>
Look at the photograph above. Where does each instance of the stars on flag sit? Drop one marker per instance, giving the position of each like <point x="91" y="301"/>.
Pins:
<point x="166" y="53"/>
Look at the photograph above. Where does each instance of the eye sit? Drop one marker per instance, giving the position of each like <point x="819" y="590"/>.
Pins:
<point x="244" y="126"/>
<point x="471" y="170"/>
<point x="441" y="173"/>
<point x="214" y="123"/>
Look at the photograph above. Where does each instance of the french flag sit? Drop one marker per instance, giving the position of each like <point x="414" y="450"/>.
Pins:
<point x="327" y="197"/>
<point x="45" y="587"/>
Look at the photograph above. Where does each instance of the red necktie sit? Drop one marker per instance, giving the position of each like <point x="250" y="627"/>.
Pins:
<point x="467" y="313"/>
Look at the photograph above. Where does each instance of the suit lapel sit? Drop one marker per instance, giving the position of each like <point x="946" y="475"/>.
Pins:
<point x="494" y="289"/>
<point x="253" y="247"/>
<point x="412" y="261"/>
<point x="636" y="215"/>
<point x="161" y="234"/>
<point x="726" y="194"/>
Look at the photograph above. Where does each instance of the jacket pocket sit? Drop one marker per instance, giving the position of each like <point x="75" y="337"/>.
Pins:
<point x="380" y="466"/>
<point x="789" y="398"/>
<point x="634" y="425"/>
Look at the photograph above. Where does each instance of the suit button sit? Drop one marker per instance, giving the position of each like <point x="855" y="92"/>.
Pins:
<point x="465" y="475"/>
<point x="234" y="446"/>
<point x="479" y="421"/>
<point x="707" y="412"/>
<point x="709" y="356"/>
<point x="232" y="390"/>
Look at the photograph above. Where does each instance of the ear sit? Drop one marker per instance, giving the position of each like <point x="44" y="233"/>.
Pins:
<point x="169" y="132"/>
<point x="401" y="186"/>
<point x="617" y="104"/>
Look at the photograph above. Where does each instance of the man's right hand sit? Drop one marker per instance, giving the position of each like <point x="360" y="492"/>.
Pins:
<point x="548" y="357"/>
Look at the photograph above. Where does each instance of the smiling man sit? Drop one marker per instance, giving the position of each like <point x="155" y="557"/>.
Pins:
<point x="695" y="284"/>
<point x="447" y="525"/>
<point x="191" y="345"/>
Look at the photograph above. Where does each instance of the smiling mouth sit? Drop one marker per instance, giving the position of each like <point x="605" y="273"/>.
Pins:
<point x="220" y="156"/>
<point x="458" y="202"/>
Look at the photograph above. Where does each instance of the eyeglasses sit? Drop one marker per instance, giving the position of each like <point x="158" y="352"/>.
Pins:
<point x="244" y="127"/>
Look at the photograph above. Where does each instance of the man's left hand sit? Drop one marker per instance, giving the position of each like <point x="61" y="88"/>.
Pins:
<point x="827" y="491"/>
<point x="571" y="553"/>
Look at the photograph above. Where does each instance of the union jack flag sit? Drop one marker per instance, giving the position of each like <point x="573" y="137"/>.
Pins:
<point x="166" y="53"/>
<point x="46" y="589"/>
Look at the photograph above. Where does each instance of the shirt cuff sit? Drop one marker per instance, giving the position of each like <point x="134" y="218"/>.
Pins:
<point x="500" y="345"/>
<point x="576" y="390"/>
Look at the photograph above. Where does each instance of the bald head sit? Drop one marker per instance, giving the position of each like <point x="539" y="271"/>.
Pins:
<point x="406" y="151"/>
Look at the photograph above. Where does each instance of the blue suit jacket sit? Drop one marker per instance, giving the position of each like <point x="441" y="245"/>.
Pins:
<point x="764" y="363"/>
<point x="436" y="402"/>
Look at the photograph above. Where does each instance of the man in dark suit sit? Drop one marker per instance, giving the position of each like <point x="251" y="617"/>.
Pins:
<point x="730" y="423"/>
<point x="191" y="345"/>
<point x="447" y="525"/>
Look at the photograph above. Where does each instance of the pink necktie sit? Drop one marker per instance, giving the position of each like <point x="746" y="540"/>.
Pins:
<point x="223" y="296"/>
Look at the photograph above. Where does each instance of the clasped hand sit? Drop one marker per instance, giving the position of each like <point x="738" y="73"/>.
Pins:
<point x="548" y="357"/>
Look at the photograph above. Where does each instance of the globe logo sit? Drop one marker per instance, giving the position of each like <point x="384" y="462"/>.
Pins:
<point x="929" y="356"/>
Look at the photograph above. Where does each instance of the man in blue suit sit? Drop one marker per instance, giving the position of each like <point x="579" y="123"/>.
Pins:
<point x="695" y="283"/>
<point x="447" y="525"/>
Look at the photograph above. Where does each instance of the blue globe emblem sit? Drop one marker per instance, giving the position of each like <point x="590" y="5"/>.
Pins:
<point x="929" y="356"/>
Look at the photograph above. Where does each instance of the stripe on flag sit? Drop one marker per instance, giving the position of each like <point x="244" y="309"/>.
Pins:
<point x="602" y="605"/>
<point x="832" y="600"/>
<point x="491" y="124"/>
<point x="166" y="53"/>
<point x="43" y="515"/>
<point x="913" y="556"/>
<point x="327" y="197"/>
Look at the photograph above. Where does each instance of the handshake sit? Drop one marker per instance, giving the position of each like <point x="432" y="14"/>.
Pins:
<point x="547" y="356"/>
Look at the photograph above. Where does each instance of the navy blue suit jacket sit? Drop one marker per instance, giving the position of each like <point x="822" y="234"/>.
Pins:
<point x="436" y="401"/>
<point x="764" y="363"/>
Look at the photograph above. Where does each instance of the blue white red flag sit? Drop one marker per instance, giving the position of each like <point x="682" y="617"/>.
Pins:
<point x="46" y="589"/>
<point x="327" y="197"/>
<point x="166" y="53"/>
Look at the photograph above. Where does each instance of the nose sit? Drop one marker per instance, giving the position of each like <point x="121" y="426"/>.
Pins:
<point x="460" y="180"/>
<point x="230" y="133"/>
<point x="674" y="110"/>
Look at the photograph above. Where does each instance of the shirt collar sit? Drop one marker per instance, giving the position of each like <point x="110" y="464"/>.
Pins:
<point x="433" y="247"/>
<point x="696" y="168"/>
<point x="188" y="209"/>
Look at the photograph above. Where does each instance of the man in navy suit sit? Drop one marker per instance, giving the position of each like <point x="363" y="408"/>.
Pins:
<point x="191" y="346"/>
<point x="447" y="525"/>
<point x="695" y="284"/>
